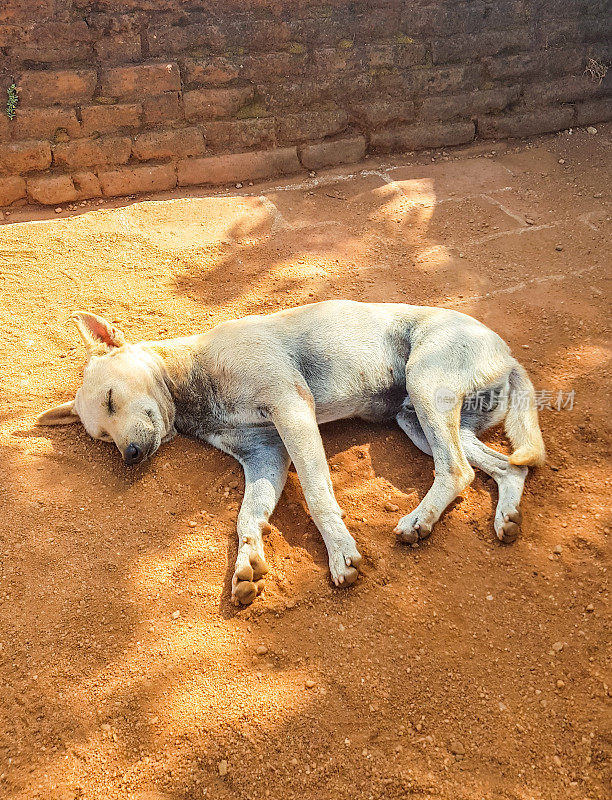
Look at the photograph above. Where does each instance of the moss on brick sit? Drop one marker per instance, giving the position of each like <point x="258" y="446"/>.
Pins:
<point x="296" y="48"/>
<point x="252" y="110"/>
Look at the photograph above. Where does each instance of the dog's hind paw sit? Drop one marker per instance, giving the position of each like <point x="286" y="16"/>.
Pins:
<point x="412" y="528"/>
<point x="247" y="581"/>
<point x="509" y="527"/>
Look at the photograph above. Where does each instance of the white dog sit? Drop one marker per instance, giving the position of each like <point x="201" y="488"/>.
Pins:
<point x="259" y="387"/>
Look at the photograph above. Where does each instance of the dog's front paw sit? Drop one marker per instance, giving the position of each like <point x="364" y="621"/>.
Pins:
<point x="413" y="527"/>
<point x="247" y="581"/>
<point x="344" y="560"/>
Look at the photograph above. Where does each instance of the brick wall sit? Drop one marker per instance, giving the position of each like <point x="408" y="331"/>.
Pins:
<point x="118" y="97"/>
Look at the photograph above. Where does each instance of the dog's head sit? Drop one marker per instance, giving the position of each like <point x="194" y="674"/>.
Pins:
<point x="124" y="397"/>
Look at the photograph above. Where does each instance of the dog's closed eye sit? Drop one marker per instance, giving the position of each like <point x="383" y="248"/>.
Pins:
<point x="109" y="402"/>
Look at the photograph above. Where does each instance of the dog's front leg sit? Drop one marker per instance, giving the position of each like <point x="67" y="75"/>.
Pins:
<point x="265" y="462"/>
<point x="297" y="425"/>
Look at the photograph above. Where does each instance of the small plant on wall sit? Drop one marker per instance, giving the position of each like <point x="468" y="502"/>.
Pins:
<point x="11" y="101"/>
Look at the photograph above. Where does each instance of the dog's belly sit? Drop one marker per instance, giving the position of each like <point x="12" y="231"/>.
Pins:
<point x="375" y="407"/>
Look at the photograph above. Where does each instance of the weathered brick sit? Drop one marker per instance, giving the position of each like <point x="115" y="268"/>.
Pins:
<point x="49" y="42"/>
<point x="444" y="107"/>
<point x="87" y="185"/>
<point x="179" y="143"/>
<point x="177" y="39"/>
<point x="292" y="95"/>
<point x="11" y="189"/>
<point x="263" y="34"/>
<point x="442" y="20"/>
<point x="442" y="79"/>
<point x="419" y="137"/>
<point x="49" y="190"/>
<point x="211" y="103"/>
<point x="339" y="151"/>
<point x="84" y="153"/>
<point x="22" y="11"/>
<point x="240" y="134"/>
<point x="518" y="66"/>
<point x="562" y="60"/>
<point x="168" y="107"/>
<point x="380" y="55"/>
<point x="272" y="66"/>
<point x="214" y="71"/>
<point x="331" y="61"/>
<point x="110" y="118"/>
<point x="48" y="87"/>
<point x="594" y="111"/>
<point x="132" y="180"/>
<point x="381" y="112"/>
<point x="542" y="121"/>
<point x="376" y="20"/>
<point x="311" y="125"/>
<point x="563" y="90"/>
<point x="132" y="83"/>
<point x="10" y="35"/>
<point x="44" y="123"/>
<point x="238" y="167"/>
<point x="569" y="8"/>
<point x="119" y="48"/>
<point x="409" y="54"/>
<point x="596" y="29"/>
<point x="5" y="127"/>
<point x="316" y="32"/>
<point x="19" y="157"/>
<point x="260" y="33"/>
<point x="560" y="31"/>
<point x="484" y="43"/>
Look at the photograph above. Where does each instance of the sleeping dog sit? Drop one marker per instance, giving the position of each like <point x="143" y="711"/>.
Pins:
<point x="259" y="387"/>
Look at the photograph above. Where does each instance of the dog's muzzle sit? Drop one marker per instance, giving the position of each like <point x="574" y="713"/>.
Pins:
<point x="133" y="454"/>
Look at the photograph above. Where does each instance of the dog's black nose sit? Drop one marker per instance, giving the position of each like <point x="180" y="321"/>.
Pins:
<point x="132" y="454"/>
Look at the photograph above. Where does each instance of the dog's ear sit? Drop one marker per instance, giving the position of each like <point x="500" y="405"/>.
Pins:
<point x="61" y="415"/>
<point x="98" y="334"/>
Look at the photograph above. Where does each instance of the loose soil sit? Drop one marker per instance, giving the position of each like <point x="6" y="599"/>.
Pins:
<point x="461" y="668"/>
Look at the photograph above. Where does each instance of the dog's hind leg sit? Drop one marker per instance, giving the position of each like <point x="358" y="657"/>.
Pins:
<point x="509" y="478"/>
<point x="265" y="462"/>
<point x="409" y="423"/>
<point x="510" y="481"/>
<point x="440" y="426"/>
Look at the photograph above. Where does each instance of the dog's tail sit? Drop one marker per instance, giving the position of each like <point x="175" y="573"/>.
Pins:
<point x="521" y="421"/>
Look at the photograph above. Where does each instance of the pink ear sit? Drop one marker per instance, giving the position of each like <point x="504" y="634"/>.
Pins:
<point x="102" y="332"/>
<point x="98" y="334"/>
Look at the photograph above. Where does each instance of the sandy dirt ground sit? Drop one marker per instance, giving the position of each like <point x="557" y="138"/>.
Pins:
<point x="459" y="668"/>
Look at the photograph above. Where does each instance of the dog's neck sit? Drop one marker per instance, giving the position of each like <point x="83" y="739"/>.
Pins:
<point x="174" y="356"/>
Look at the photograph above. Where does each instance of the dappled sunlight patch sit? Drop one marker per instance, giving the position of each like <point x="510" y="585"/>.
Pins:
<point x="187" y="223"/>
<point x="411" y="209"/>
<point x="453" y="178"/>
<point x="578" y="362"/>
<point x="195" y="562"/>
<point x="269" y="696"/>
